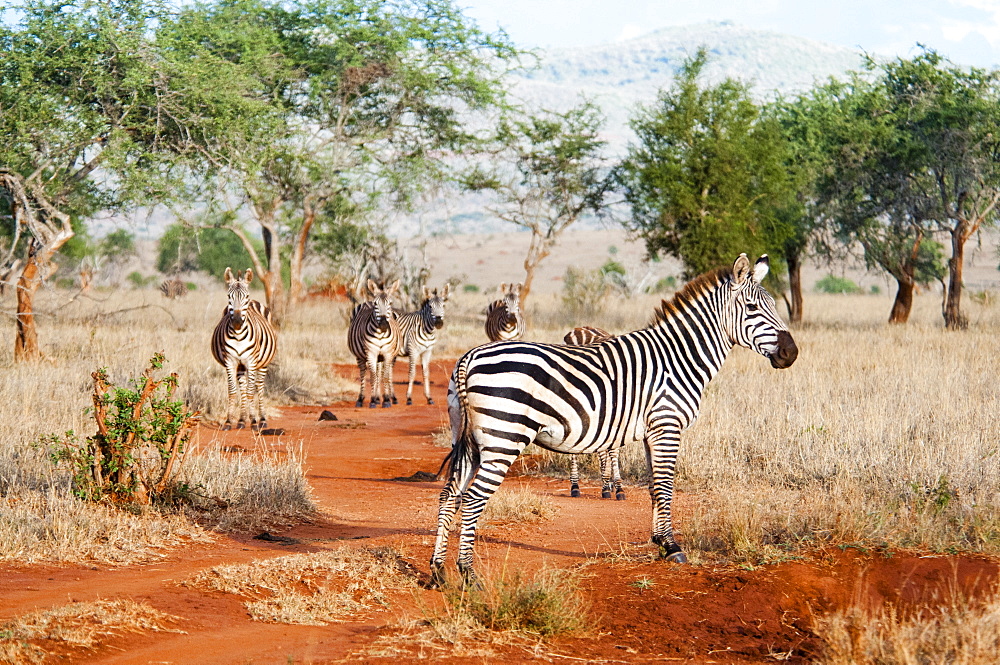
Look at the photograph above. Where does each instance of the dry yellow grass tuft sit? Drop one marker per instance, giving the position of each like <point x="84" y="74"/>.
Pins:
<point x="518" y="505"/>
<point x="31" y="639"/>
<point x="312" y="589"/>
<point x="959" y="633"/>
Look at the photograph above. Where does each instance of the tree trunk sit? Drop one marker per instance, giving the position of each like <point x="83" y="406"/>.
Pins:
<point x="953" y="318"/>
<point x="26" y="340"/>
<point x="904" y="298"/>
<point x="537" y="250"/>
<point x="296" y="287"/>
<point x="794" y="261"/>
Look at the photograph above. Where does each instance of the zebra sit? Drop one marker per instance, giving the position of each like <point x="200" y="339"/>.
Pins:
<point x="418" y="331"/>
<point x="173" y="288"/>
<point x="244" y="342"/>
<point x="644" y="385"/>
<point x="503" y="317"/>
<point x="373" y="337"/>
<point x="610" y="472"/>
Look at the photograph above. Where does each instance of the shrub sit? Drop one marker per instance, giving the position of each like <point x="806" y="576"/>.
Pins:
<point x="584" y="291"/>
<point x="834" y="284"/>
<point x="141" y="435"/>
<point x="470" y="288"/>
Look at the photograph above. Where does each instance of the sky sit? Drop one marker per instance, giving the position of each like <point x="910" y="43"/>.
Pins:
<point x="965" y="31"/>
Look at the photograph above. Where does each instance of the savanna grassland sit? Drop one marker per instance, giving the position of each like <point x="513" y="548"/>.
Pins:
<point x="879" y="439"/>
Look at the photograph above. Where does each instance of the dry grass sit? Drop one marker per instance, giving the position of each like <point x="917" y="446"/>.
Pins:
<point x="518" y="505"/>
<point x="312" y="589"/>
<point x="507" y="610"/>
<point x="36" y="638"/>
<point x="959" y="633"/>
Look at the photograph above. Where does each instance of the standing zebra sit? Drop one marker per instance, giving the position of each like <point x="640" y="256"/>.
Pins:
<point x="373" y="337"/>
<point x="173" y="288"/>
<point x="503" y="317"/>
<point x="644" y="385"/>
<point x="418" y="331"/>
<point x="611" y="477"/>
<point x="244" y="342"/>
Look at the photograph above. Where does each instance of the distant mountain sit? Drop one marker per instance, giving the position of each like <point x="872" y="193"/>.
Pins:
<point x="618" y="76"/>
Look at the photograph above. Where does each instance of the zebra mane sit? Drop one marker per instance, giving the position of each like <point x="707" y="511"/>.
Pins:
<point x="690" y="292"/>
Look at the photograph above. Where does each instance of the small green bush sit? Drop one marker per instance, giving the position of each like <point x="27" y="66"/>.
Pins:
<point x="834" y="284"/>
<point x="470" y="288"/>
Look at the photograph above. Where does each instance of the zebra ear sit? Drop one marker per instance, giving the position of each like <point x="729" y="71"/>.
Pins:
<point x="741" y="270"/>
<point x="517" y="289"/>
<point x="426" y="293"/>
<point x="444" y="295"/>
<point x="394" y="287"/>
<point x="503" y="288"/>
<point x="249" y="275"/>
<point x="760" y="268"/>
<point x="372" y="287"/>
<point x="229" y="275"/>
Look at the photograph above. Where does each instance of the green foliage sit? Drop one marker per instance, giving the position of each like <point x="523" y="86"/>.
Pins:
<point x="117" y="245"/>
<point x="706" y="173"/>
<point x="140" y="281"/>
<point x="668" y="283"/>
<point x="211" y="250"/>
<point x="470" y="288"/>
<point x="141" y="435"/>
<point x="834" y="284"/>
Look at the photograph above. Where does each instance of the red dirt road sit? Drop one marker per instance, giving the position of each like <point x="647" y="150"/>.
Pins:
<point x="695" y="614"/>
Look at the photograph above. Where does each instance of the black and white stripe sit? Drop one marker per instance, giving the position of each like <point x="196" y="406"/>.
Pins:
<point x="418" y="331"/>
<point x="173" y="288"/>
<point x="244" y="342"/>
<point x="611" y="477"/>
<point x="373" y="337"/>
<point x="504" y="321"/>
<point x="644" y="386"/>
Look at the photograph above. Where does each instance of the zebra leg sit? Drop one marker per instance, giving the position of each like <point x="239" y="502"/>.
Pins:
<point x="241" y="380"/>
<point x="425" y="361"/>
<point x="387" y="392"/>
<point x="409" y="380"/>
<point x="362" y="366"/>
<point x="448" y="505"/>
<point x="605" y="458"/>
<point x="389" y="369"/>
<point x="492" y="469"/>
<point x="574" y="476"/>
<point x="662" y="443"/>
<point x="375" y="381"/>
<point x="616" y="474"/>
<point x="233" y="387"/>
<point x="258" y="394"/>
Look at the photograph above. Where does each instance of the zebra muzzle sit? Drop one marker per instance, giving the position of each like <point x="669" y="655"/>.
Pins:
<point x="786" y="353"/>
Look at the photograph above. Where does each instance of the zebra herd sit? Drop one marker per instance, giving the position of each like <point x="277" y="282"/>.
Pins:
<point x="593" y="394"/>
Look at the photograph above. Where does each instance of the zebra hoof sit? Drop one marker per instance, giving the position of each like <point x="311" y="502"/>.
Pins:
<point x="605" y="494"/>
<point x="409" y="402"/>
<point x="574" y="491"/>
<point x="360" y="403"/>
<point x="430" y="401"/>
<point x="673" y="553"/>
<point x="394" y="400"/>
<point x="262" y="425"/>
<point x="386" y="404"/>
<point x="619" y="496"/>
<point x="228" y="426"/>
<point x="240" y="425"/>
<point x="438" y="579"/>
<point x="373" y="404"/>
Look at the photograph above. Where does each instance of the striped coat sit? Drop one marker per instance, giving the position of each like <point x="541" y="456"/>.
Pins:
<point x="374" y="339"/>
<point x="644" y="386"/>
<point x="244" y="343"/>
<point x="504" y="320"/>
<point x="418" y="331"/>
<point x="611" y="478"/>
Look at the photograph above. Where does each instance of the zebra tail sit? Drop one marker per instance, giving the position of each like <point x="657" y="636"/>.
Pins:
<point x="463" y="460"/>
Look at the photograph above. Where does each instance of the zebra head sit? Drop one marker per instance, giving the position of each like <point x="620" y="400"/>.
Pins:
<point x="382" y="303"/>
<point x="434" y="305"/>
<point x="510" y="296"/>
<point x="755" y="322"/>
<point x="238" y="292"/>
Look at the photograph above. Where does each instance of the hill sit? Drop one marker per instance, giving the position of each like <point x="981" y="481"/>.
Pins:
<point x="620" y="75"/>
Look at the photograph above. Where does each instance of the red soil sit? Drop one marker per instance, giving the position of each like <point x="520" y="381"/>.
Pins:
<point x="697" y="614"/>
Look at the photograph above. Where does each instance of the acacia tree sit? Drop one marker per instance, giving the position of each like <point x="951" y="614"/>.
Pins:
<point x="356" y="96"/>
<point x="549" y="171"/>
<point x="77" y="114"/>
<point x="705" y="173"/>
<point x="951" y="118"/>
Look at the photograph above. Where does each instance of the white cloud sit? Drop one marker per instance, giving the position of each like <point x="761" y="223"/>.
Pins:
<point x="629" y="31"/>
